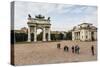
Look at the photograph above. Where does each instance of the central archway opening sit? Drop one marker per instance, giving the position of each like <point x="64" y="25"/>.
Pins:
<point x="39" y="34"/>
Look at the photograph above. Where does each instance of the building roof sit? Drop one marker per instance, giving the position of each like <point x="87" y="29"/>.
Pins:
<point x="22" y="30"/>
<point x="57" y="32"/>
<point x="19" y="31"/>
<point x="84" y="26"/>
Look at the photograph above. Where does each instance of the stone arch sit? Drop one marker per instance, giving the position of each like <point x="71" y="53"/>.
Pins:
<point x="39" y="34"/>
<point x="36" y="23"/>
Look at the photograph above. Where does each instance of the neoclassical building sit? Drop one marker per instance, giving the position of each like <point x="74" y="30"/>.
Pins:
<point x="84" y="32"/>
<point x="39" y="22"/>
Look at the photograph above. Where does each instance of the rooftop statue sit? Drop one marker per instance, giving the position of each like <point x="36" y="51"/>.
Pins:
<point x="39" y="16"/>
<point x="29" y="15"/>
<point x="48" y="18"/>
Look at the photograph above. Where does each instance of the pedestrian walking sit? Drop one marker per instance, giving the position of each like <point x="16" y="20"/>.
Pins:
<point x="66" y="48"/>
<point x="92" y="50"/>
<point x="73" y="49"/>
<point x="58" y="45"/>
<point x="77" y="49"/>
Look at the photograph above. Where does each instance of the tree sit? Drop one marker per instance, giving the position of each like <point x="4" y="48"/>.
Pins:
<point x="69" y="35"/>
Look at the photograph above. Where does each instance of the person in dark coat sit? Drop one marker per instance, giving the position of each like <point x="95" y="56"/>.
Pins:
<point x="59" y="45"/>
<point x="92" y="50"/>
<point x="73" y="49"/>
<point x="77" y="49"/>
<point x="66" y="48"/>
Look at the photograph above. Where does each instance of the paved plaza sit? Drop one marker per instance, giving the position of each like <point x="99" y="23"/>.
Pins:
<point x="47" y="52"/>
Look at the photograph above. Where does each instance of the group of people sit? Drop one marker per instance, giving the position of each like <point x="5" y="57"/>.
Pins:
<point x="75" y="49"/>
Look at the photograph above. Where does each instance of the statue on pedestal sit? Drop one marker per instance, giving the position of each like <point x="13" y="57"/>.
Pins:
<point x="29" y="16"/>
<point x="49" y="18"/>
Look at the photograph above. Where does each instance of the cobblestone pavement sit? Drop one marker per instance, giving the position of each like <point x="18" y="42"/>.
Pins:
<point x="47" y="52"/>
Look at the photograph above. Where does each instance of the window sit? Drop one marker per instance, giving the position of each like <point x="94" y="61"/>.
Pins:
<point x="82" y="37"/>
<point x="86" y="37"/>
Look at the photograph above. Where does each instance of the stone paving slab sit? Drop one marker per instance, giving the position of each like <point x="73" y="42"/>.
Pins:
<point x="47" y="52"/>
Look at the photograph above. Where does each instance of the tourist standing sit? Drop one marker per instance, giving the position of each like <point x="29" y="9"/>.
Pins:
<point x="59" y="45"/>
<point x="73" y="49"/>
<point x="77" y="49"/>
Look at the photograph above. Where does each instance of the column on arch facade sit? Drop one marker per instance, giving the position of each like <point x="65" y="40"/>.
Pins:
<point x="29" y="34"/>
<point x="49" y="35"/>
<point x="35" y="34"/>
<point x="44" y="34"/>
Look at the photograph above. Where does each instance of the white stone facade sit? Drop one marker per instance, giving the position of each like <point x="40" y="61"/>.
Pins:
<point x="39" y="22"/>
<point x="84" y="32"/>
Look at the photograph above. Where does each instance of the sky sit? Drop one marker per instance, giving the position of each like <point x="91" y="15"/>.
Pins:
<point x="63" y="16"/>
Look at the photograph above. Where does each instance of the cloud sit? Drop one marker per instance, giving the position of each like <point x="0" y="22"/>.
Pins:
<point x="62" y="16"/>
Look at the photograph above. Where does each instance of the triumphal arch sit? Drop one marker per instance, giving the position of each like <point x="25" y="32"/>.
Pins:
<point x="39" y="22"/>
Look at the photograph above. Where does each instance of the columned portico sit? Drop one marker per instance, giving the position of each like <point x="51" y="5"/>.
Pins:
<point x="75" y="35"/>
<point x="84" y="32"/>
